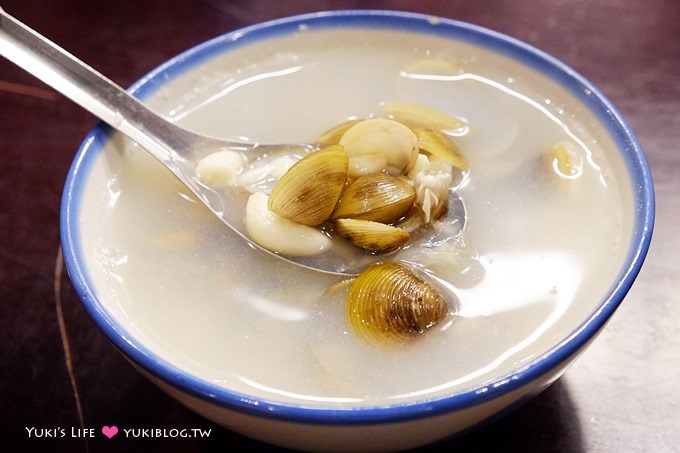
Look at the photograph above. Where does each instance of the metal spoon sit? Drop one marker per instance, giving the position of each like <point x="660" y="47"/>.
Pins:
<point x="176" y="148"/>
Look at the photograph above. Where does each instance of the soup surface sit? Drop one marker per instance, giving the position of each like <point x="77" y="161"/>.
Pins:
<point x="538" y="253"/>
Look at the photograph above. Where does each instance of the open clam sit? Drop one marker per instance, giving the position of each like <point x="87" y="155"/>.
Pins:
<point x="380" y="144"/>
<point x="440" y="146"/>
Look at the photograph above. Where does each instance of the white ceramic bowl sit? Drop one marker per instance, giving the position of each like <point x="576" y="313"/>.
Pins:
<point x="93" y="256"/>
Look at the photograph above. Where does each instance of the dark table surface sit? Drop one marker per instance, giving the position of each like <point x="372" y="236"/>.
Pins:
<point x="58" y="370"/>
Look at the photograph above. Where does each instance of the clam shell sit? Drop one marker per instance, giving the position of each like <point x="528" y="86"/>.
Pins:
<point x="377" y="197"/>
<point x="308" y="192"/>
<point x="372" y="236"/>
<point x="380" y="141"/>
<point x="564" y="160"/>
<point x="389" y="302"/>
<point x="412" y="220"/>
<point x="440" y="146"/>
<point x="418" y="116"/>
<point x="333" y="135"/>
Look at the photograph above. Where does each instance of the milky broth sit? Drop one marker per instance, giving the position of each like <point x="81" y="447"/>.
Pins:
<point x="536" y="258"/>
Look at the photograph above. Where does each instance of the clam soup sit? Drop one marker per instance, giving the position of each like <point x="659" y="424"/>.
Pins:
<point x="537" y="255"/>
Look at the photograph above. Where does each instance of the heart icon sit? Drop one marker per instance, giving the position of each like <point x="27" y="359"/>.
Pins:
<point x="109" y="431"/>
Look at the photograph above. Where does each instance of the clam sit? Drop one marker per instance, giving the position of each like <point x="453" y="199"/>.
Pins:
<point x="418" y="116"/>
<point x="440" y="146"/>
<point x="333" y="135"/>
<point x="378" y="197"/>
<point x="412" y="220"/>
<point x="389" y="302"/>
<point x="565" y="160"/>
<point x="380" y="144"/>
<point x="308" y="192"/>
<point x="372" y="236"/>
<point x="421" y="164"/>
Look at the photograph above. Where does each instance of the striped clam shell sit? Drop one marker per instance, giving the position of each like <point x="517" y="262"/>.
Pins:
<point x="389" y="302"/>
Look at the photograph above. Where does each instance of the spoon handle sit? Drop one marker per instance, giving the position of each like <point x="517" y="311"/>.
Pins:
<point x="91" y="90"/>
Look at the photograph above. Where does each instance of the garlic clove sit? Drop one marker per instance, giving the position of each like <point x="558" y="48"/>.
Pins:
<point x="281" y="235"/>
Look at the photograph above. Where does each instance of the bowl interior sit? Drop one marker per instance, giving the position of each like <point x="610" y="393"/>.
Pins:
<point x="193" y="304"/>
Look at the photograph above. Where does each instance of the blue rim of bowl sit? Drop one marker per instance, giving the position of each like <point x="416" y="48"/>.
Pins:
<point x="413" y="22"/>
